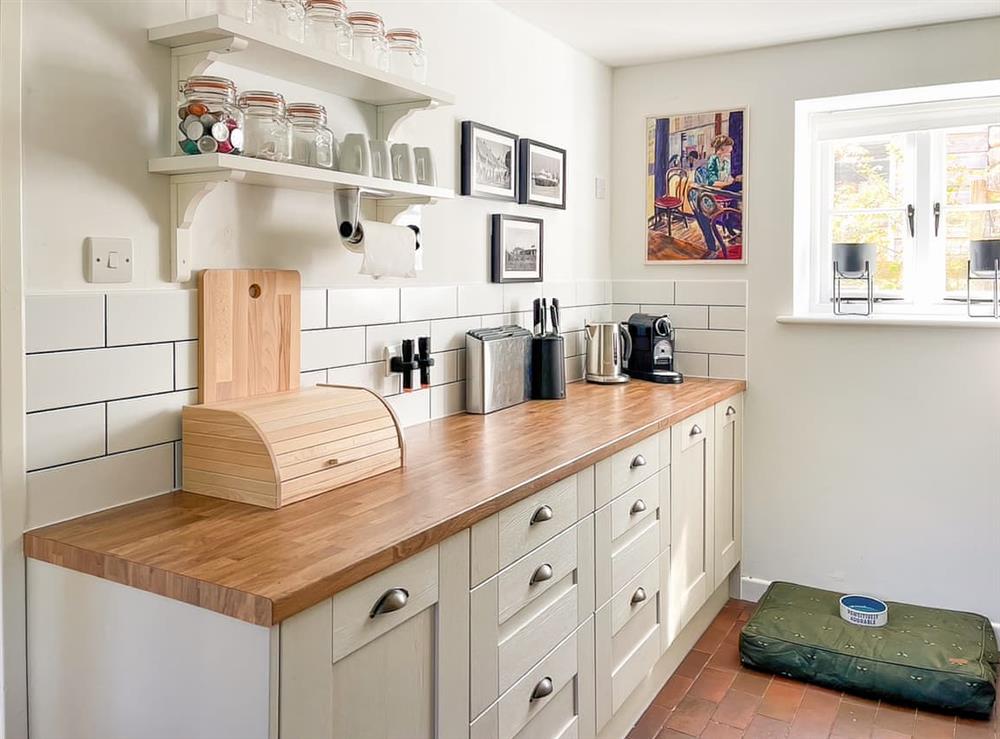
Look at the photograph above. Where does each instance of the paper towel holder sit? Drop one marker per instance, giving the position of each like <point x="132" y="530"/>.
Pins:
<point x="347" y="204"/>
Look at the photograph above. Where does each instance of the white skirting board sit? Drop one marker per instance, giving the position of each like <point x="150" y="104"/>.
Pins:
<point x="752" y="589"/>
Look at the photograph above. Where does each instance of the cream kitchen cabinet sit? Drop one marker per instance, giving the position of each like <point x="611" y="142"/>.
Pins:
<point x="692" y="519"/>
<point x="728" y="541"/>
<point x="385" y="659"/>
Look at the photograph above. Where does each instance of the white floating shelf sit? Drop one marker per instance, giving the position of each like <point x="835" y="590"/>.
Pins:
<point x="250" y="171"/>
<point x="277" y="56"/>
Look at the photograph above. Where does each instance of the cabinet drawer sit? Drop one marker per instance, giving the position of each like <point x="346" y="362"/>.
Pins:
<point x="619" y="560"/>
<point x="367" y="610"/>
<point x="694" y="428"/>
<point x="630" y="510"/>
<point x="633" y="465"/>
<point x="536" y="573"/>
<point x="637" y="592"/>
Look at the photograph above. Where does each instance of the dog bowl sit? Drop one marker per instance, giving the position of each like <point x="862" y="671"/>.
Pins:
<point x="863" y="610"/>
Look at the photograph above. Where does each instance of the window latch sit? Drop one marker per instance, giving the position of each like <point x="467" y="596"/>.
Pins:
<point x="937" y="217"/>
<point x="910" y="211"/>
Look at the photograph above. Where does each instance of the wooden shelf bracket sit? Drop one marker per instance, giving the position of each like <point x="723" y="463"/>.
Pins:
<point x="186" y="194"/>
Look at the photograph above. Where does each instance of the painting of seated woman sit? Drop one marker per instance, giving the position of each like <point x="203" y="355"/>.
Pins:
<point x="696" y="187"/>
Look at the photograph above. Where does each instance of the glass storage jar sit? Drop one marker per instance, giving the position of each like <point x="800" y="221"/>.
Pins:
<point x="407" y="57"/>
<point x="313" y="143"/>
<point x="210" y="119"/>
<point x="370" y="46"/>
<point x="268" y="132"/>
<point x="283" y="17"/>
<point x="326" y="27"/>
<point x="241" y="9"/>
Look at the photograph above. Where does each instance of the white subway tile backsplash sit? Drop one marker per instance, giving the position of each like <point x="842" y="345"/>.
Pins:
<point x="185" y="365"/>
<point x="450" y="333"/>
<point x="681" y="316"/>
<point x="313" y="378"/>
<point x="80" y="377"/>
<point x="711" y="342"/>
<point x="622" y="311"/>
<point x="687" y="363"/>
<point x="332" y="347"/>
<point x="660" y="292"/>
<point x="371" y="376"/>
<point x="64" y="435"/>
<point x="379" y="337"/>
<point x="139" y="422"/>
<point x="57" y="322"/>
<point x="447" y="400"/>
<point x="574" y="319"/>
<point x="518" y="296"/>
<point x="711" y="292"/>
<point x="564" y="292"/>
<point x="313" y="308"/>
<point x="593" y="292"/>
<point x="360" y="307"/>
<point x="727" y="317"/>
<point x="84" y="487"/>
<point x="727" y="367"/>
<point x="412" y="408"/>
<point x="576" y="343"/>
<point x="448" y="367"/>
<point x="423" y="303"/>
<point x="150" y="316"/>
<point x="477" y="300"/>
<point x="574" y="368"/>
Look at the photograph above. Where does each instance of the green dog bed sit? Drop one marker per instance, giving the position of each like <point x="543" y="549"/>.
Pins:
<point x="945" y="660"/>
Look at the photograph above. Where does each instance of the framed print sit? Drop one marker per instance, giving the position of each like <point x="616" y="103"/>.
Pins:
<point x="696" y="188"/>
<point x="541" y="174"/>
<point x="489" y="162"/>
<point x="517" y="248"/>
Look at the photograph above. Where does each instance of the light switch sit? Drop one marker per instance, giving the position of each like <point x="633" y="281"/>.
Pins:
<point x="108" y="259"/>
<point x="600" y="188"/>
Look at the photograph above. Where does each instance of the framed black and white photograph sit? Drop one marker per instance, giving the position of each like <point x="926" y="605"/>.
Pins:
<point x="517" y="249"/>
<point x="542" y="174"/>
<point x="489" y="162"/>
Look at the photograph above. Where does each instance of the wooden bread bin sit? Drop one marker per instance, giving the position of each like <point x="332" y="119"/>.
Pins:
<point x="257" y="437"/>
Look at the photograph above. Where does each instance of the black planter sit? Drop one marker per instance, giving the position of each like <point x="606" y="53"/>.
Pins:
<point x="851" y="257"/>
<point x="984" y="253"/>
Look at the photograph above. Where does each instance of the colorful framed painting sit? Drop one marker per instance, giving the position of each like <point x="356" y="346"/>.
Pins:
<point x="696" y="188"/>
<point x="517" y="248"/>
<point x="542" y="174"/>
<point x="489" y="162"/>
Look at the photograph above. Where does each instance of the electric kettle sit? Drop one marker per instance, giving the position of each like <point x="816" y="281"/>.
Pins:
<point x="608" y="348"/>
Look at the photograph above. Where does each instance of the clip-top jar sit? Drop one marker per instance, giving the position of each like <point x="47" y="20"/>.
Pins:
<point x="370" y="46"/>
<point x="313" y="143"/>
<point x="407" y="57"/>
<point x="327" y="28"/>
<point x="210" y="120"/>
<point x="268" y="132"/>
<point x="283" y="17"/>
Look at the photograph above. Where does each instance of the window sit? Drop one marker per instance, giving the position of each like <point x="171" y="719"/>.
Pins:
<point x="918" y="177"/>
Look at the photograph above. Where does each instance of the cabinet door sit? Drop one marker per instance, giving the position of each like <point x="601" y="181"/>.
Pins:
<point x="692" y="553"/>
<point x="386" y="658"/>
<point x="728" y="486"/>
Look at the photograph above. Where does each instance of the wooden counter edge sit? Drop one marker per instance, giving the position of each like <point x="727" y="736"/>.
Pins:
<point x="264" y="611"/>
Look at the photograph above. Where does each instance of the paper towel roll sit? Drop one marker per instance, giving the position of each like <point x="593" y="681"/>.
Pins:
<point x="390" y="251"/>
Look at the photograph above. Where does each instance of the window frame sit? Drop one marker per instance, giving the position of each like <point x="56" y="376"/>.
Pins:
<point x="819" y="122"/>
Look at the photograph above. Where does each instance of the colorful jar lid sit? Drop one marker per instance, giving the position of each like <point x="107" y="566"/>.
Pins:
<point x="262" y="98"/>
<point x="367" y="19"/>
<point x="403" y="34"/>
<point x="312" y="111"/>
<point x="327" y="5"/>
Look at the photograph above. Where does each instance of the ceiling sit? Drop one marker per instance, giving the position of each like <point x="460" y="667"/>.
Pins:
<point x="624" y="32"/>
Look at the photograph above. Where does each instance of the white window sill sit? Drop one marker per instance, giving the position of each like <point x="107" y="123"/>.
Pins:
<point x="942" y="321"/>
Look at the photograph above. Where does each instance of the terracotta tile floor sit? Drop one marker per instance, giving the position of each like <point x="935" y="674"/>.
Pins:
<point x="711" y="695"/>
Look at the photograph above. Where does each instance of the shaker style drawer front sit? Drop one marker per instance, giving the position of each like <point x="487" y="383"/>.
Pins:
<point x="517" y="615"/>
<point x="638" y="504"/>
<point x="694" y="429"/>
<point x="539" y="688"/>
<point x="641" y="589"/>
<point x="536" y="519"/>
<point x="620" y="558"/>
<point x="372" y="607"/>
<point x="633" y="465"/>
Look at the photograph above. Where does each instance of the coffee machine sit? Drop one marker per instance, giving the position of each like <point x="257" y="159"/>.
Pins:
<point x="652" y="356"/>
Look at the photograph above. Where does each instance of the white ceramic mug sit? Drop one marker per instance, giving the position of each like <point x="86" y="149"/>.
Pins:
<point x="381" y="159"/>
<point x="402" y="163"/>
<point x="355" y="155"/>
<point x="424" y="166"/>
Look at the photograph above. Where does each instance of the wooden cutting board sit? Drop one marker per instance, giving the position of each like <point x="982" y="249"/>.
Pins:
<point x="248" y="322"/>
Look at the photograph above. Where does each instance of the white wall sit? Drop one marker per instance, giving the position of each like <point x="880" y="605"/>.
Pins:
<point x="95" y="90"/>
<point x="872" y="454"/>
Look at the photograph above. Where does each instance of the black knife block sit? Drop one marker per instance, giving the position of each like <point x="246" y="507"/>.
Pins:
<point x="548" y="367"/>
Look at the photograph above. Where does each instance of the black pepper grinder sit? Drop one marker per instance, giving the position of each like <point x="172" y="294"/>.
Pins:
<point x="424" y="360"/>
<point x="405" y="364"/>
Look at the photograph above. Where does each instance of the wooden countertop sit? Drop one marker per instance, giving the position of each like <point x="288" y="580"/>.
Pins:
<point x="262" y="565"/>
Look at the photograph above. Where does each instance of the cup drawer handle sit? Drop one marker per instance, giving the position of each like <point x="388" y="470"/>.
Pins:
<point x="544" y="513"/>
<point x="638" y="507"/>
<point x="391" y="600"/>
<point x="695" y="430"/>
<point x="542" y="690"/>
<point x="543" y="573"/>
<point x="637" y="461"/>
<point x="730" y="411"/>
<point x="638" y="597"/>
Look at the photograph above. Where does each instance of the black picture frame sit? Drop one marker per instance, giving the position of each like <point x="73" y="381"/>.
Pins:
<point x="499" y="242"/>
<point x="473" y="187"/>
<point x="527" y="193"/>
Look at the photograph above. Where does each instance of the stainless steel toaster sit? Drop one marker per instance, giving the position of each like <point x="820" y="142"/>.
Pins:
<point x="497" y="368"/>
